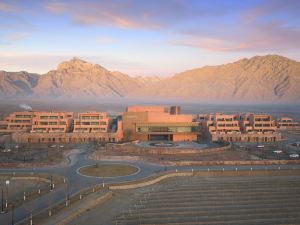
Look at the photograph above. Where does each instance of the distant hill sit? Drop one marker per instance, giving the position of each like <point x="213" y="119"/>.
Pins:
<point x="261" y="78"/>
<point x="17" y="83"/>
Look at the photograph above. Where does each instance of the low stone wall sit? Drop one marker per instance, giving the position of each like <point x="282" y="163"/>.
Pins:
<point x="22" y="137"/>
<point x="149" y="181"/>
<point x="237" y="163"/>
<point x="248" y="173"/>
<point x="41" y="179"/>
<point x="246" y="137"/>
<point x="132" y="148"/>
<point x="154" y="180"/>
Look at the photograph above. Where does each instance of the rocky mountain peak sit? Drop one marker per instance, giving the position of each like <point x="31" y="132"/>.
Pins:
<point x="258" y="79"/>
<point x="77" y="65"/>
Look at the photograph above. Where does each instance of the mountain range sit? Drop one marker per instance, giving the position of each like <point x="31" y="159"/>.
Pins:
<point x="270" y="78"/>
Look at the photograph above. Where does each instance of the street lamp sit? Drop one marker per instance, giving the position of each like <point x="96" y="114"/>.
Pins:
<point x="7" y="185"/>
<point x="2" y="206"/>
<point x="12" y="214"/>
<point x="51" y="183"/>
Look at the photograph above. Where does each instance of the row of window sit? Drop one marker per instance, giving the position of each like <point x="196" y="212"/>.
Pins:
<point x="91" y="117"/>
<point x="23" y="116"/>
<point x="263" y="125"/>
<point x="231" y="119"/>
<point x="53" y="123"/>
<point x="92" y="129"/>
<point x="227" y="125"/>
<point x="71" y="139"/>
<point x="175" y="129"/>
<point x="90" y="123"/>
<point x="21" y="121"/>
<point x="50" y="117"/>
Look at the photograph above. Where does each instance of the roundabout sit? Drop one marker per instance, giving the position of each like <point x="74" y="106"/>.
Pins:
<point x="108" y="170"/>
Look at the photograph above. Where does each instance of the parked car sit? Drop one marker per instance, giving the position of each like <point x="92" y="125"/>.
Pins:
<point x="294" y="155"/>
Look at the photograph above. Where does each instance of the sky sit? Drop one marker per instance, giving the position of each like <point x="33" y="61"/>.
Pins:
<point x="145" y="37"/>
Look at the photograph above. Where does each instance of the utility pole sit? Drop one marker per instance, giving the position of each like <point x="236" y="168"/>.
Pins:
<point x="51" y="183"/>
<point x="12" y="214"/>
<point x="2" y="203"/>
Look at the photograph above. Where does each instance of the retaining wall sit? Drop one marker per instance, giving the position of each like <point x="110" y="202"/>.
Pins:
<point x="132" y="148"/>
<point x="149" y="181"/>
<point x="237" y="163"/>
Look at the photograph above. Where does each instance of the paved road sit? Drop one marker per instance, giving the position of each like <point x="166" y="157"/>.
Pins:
<point x="76" y="181"/>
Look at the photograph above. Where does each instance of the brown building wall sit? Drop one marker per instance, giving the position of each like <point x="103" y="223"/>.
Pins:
<point x="185" y="137"/>
<point x="89" y="122"/>
<point x="19" y="121"/>
<point x="64" y="137"/>
<point x="247" y="137"/>
<point x="48" y="122"/>
<point x="158" y="117"/>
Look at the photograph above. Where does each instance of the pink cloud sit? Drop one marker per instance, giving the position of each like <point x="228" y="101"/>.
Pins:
<point x="56" y="7"/>
<point x="9" y="8"/>
<point x="104" y="13"/>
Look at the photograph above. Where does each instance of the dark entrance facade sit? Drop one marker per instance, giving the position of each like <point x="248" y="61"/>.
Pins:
<point x="160" y="137"/>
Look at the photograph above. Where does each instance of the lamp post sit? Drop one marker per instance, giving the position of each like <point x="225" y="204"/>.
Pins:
<point x="12" y="214"/>
<point x="7" y="186"/>
<point x="51" y="183"/>
<point x="2" y="203"/>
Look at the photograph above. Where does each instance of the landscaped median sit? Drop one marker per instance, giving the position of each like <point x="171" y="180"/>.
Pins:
<point x="108" y="170"/>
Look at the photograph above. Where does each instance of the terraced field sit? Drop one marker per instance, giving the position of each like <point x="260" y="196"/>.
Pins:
<point x="219" y="200"/>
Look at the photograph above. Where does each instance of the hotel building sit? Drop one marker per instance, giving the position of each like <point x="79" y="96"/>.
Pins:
<point x="90" y="122"/>
<point x="239" y="128"/>
<point x="257" y="123"/>
<point x="52" y="122"/>
<point x="286" y="123"/>
<point x="223" y="123"/>
<point x="18" y="121"/>
<point x="158" y="123"/>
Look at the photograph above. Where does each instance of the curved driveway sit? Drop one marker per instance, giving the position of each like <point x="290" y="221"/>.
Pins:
<point x="78" y="182"/>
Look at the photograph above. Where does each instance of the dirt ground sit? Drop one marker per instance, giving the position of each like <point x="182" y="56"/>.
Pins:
<point x="38" y="154"/>
<point x="203" y="200"/>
